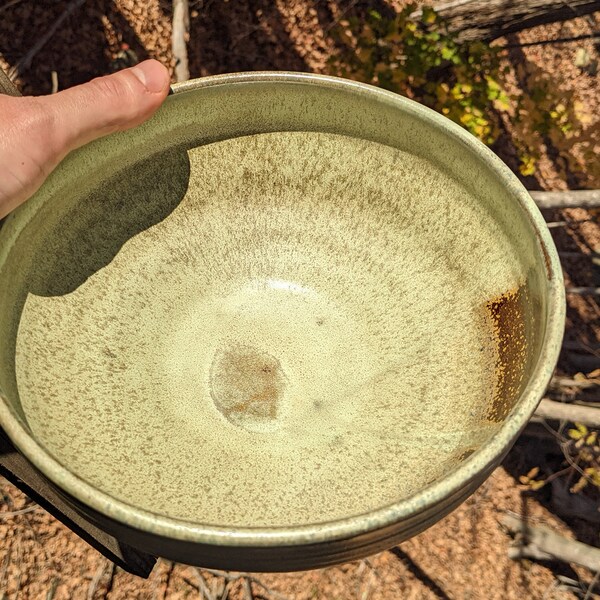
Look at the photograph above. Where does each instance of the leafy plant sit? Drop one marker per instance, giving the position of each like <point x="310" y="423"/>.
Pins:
<point x="581" y="450"/>
<point x="421" y="59"/>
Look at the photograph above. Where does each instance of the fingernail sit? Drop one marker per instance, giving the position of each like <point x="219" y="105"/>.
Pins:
<point x="151" y="75"/>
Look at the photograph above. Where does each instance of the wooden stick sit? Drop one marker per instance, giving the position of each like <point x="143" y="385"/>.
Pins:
<point x="203" y="588"/>
<point x="14" y="513"/>
<point x="472" y="20"/>
<point x="247" y="589"/>
<point x="231" y="577"/>
<point x="557" y="382"/>
<point x="25" y="62"/>
<point x="568" y="199"/>
<point x="584" y="291"/>
<point x="95" y="581"/>
<point x="52" y="589"/>
<point x="54" y="77"/>
<point x="592" y="586"/>
<point x="541" y="543"/>
<point x="181" y="25"/>
<point x="567" y="411"/>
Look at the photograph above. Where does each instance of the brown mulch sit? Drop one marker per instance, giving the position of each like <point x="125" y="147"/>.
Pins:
<point x="464" y="556"/>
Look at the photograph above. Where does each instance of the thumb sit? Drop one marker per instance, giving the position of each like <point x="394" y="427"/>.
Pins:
<point x="107" y="104"/>
<point x="37" y="133"/>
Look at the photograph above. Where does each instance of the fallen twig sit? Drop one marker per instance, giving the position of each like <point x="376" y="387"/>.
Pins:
<point x="487" y="20"/>
<point x="14" y="513"/>
<point x="567" y="411"/>
<point x="591" y="587"/>
<point x="181" y="25"/>
<point x="225" y="593"/>
<point x="95" y="581"/>
<point x="54" y="77"/>
<point x="111" y="578"/>
<point x="568" y="199"/>
<point x="52" y="589"/>
<point x="25" y="62"/>
<point x="203" y="588"/>
<point x="247" y="588"/>
<point x="231" y="577"/>
<point x="584" y="291"/>
<point x="541" y="543"/>
<point x="558" y="382"/>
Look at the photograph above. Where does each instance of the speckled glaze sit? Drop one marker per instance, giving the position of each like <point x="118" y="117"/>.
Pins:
<point x="290" y="321"/>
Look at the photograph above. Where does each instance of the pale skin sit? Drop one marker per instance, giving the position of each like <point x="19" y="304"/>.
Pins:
<point x="36" y="133"/>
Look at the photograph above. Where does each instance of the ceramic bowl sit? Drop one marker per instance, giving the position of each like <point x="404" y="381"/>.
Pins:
<point x="290" y="321"/>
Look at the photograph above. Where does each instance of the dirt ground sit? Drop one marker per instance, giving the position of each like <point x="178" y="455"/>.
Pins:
<point x="465" y="555"/>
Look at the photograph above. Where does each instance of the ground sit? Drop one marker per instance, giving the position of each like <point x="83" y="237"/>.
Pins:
<point x="465" y="555"/>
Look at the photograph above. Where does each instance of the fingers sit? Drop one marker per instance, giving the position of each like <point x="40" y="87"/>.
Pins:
<point x="107" y="104"/>
<point x="37" y="133"/>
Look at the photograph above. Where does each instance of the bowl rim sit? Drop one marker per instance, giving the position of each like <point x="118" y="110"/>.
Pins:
<point x="354" y="525"/>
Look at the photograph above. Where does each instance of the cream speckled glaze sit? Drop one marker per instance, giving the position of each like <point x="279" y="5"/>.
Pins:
<point x="290" y="321"/>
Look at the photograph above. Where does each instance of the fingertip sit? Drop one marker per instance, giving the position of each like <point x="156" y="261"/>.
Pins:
<point x="111" y="103"/>
<point x="153" y="75"/>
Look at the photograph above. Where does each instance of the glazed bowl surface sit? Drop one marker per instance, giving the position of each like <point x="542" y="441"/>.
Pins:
<point x="289" y="321"/>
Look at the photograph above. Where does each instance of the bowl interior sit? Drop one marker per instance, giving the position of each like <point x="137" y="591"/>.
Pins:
<point x="272" y="305"/>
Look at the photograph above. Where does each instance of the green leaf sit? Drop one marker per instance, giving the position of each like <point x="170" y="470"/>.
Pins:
<point x="580" y="432"/>
<point x="448" y="53"/>
<point x="429" y="15"/>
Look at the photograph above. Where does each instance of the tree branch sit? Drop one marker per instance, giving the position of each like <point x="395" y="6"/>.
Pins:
<point x="541" y="543"/>
<point x="567" y="199"/>
<point x="472" y="20"/>
<point x="181" y="25"/>
<point x="566" y="411"/>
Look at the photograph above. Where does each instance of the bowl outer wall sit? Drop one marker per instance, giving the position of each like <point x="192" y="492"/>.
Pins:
<point x="425" y="507"/>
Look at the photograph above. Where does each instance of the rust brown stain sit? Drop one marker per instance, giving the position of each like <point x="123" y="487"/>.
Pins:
<point x="506" y="316"/>
<point x="246" y="386"/>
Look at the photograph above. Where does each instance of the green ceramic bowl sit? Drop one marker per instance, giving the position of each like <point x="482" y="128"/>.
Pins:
<point x="290" y="321"/>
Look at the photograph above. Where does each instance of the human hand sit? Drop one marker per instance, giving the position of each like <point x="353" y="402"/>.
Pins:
<point x="36" y="133"/>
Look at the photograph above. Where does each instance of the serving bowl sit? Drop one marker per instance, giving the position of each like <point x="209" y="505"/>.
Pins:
<point x="290" y="321"/>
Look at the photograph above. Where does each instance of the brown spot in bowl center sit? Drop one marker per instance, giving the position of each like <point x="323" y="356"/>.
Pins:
<point x="246" y="386"/>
